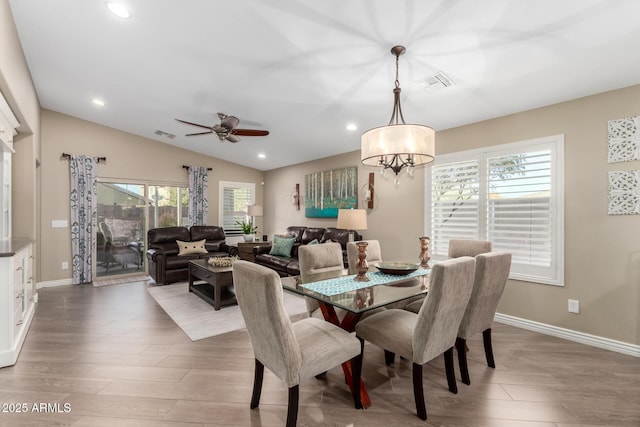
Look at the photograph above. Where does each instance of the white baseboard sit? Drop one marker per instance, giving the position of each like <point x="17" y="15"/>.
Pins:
<point x="568" y="334"/>
<point x="53" y="283"/>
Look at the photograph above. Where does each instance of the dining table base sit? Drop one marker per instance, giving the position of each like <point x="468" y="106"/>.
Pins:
<point x="348" y="323"/>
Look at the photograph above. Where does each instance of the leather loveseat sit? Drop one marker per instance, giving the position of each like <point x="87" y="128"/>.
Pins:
<point x="288" y="265"/>
<point x="167" y="266"/>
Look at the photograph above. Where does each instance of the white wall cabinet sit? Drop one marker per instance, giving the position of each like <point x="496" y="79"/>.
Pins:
<point x="8" y="125"/>
<point x="17" y="297"/>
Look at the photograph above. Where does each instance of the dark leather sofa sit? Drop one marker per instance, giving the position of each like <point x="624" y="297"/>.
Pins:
<point x="288" y="266"/>
<point x="166" y="266"/>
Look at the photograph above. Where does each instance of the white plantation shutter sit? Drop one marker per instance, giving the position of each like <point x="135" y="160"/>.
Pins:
<point x="519" y="214"/>
<point x="454" y="209"/>
<point x="511" y="195"/>
<point x="235" y="197"/>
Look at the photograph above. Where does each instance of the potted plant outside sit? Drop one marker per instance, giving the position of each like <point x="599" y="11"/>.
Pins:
<point x="248" y="229"/>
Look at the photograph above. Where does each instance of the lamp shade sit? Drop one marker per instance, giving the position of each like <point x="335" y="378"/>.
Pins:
<point x="352" y="219"/>
<point x="255" y="210"/>
<point x="402" y="140"/>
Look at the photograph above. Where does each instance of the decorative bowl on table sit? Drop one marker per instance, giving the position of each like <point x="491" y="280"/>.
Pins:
<point x="222" y="261"/>
<point x="397" y="268"/>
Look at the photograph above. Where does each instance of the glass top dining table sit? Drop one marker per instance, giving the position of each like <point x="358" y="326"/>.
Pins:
<point x="339" y="289"/>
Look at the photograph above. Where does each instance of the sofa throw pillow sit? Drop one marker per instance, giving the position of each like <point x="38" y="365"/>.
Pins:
<point x="313" y="242"/>
<point x="187" y="248"/>
<point x="282" y="246"/>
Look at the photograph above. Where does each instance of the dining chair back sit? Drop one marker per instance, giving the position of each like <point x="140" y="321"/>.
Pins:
<point x="492" y="273"/>
<point x="458" y="247"/>
<point x="374" y="254"/>
<point x="422" y="336"/>
<point x="320" y="258"/>
<point x="292" y="351"/>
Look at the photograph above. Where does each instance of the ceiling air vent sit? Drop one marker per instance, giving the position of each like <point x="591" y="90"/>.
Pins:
<point x="165" y="134"/>
<point x="436" y="82"/>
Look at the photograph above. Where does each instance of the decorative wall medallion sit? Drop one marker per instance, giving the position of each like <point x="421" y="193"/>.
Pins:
<point x="624" y="139"/>
<point x="624" y="192"/>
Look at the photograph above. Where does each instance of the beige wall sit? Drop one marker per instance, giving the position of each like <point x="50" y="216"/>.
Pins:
<point x="129" y="157"/>
<point x="397" y="218"/>
<point x="602" y="252"/>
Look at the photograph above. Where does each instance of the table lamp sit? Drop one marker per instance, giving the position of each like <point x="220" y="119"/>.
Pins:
<point x="254" y="211"/>
<point x="356" y="219"/>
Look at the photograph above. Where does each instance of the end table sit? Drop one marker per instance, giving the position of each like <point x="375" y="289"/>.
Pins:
<point x="245" y="249"/>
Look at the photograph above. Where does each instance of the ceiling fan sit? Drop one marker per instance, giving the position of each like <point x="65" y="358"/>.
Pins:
<point x="226" y="129"/>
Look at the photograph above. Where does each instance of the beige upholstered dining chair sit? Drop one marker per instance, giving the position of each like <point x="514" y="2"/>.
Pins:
<point x="374" y="254"/>
<point x="421" y="337"/>
<point x="458" y="248"/>
<point x="292" y="351"/>
<point x="492" y="272"/>
<point x="320" y="258"/>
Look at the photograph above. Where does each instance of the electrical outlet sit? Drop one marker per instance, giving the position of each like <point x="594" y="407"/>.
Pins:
<point x="574" y="306"/>
<point x="65" y="265"/>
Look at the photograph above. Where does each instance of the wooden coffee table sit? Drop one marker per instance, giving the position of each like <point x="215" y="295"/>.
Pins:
<point x="217" y="286"/>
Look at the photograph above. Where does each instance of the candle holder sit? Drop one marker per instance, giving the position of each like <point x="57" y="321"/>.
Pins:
<point x="424" y="252"/>
<point x="362" y="265"/>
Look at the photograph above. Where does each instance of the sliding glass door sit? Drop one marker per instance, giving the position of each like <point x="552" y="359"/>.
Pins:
<point x="168" y="206"/>
<point x="121" y="230"/>
<point x="126" y="211"/>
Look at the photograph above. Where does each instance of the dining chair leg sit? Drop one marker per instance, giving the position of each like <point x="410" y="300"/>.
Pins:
<point x="461" y="347"/>
<point x="450" y="370"/>
<point x="389" y="357"/>
<point x="292" y="412"/>
<point x="257" y="384"/>
<point x="488" y="348"/>
<point x="418" y="392"/>
<point x="356" y="371"/>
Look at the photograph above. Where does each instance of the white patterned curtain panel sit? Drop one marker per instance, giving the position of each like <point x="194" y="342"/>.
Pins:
<point x="82" y="171"/>
<point x="198" y="201"/>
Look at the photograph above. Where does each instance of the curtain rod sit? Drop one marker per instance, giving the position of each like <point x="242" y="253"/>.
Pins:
<point x="187" y="167"/>
<point x="100" y="159"/>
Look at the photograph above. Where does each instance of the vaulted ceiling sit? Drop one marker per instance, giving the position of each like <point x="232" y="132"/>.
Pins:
<point x="305" y="69"/>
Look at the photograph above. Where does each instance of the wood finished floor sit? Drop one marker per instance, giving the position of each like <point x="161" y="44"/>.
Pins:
<point x="115" y="357"/>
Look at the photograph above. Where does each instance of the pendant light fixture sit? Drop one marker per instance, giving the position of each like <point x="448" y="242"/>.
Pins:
<point x="398" y="145"/>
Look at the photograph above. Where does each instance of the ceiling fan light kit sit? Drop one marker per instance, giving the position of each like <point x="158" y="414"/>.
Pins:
<point x="398" y="145"/>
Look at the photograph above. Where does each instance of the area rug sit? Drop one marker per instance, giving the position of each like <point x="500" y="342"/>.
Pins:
<point x="198" y="319"/>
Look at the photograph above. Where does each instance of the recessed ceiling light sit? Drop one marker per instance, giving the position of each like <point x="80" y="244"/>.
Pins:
<point x="352" y="127"/>
<point x="98" y="102"/>
<point x="118" y="9"/>
<point x="262" y="156"/>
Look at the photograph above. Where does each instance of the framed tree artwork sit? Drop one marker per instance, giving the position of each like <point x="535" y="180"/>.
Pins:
<point x="327" y="191"/>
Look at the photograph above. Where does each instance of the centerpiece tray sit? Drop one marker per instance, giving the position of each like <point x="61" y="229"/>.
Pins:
<point x="397" y="268"/>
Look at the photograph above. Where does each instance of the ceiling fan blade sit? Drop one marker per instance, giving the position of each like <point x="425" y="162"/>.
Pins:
<point x="230" y="122"/>
<point x="232" y="138"/>
<point x="199" y="133"/>
<point x="194" y="124"/>
<point x="250" y="132"/>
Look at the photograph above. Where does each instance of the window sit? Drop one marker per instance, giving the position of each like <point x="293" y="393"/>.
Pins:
<point x="511" y="195"/>
<point x="235" y="197"/>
